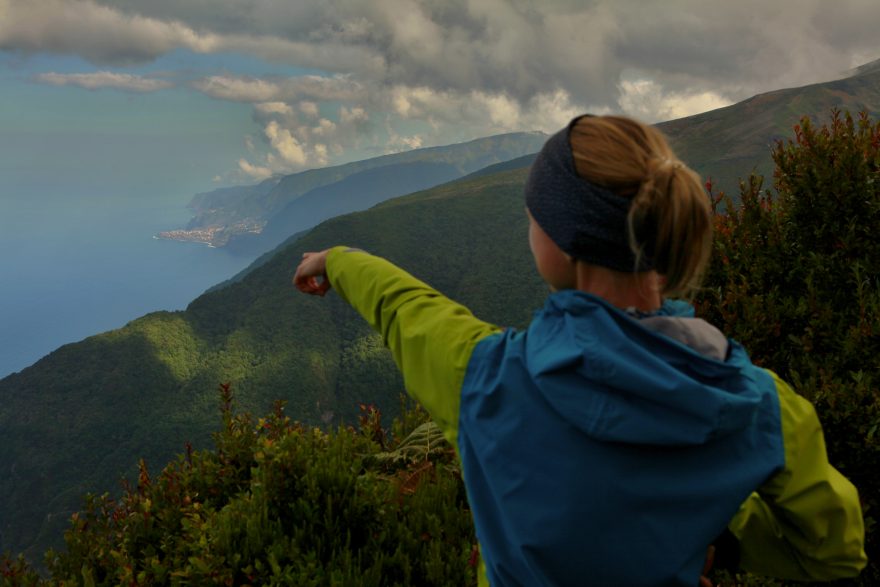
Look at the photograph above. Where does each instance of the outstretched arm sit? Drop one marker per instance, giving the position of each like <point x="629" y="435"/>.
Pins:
<point x="805" y="523"/>
<point x="430" y="336"/>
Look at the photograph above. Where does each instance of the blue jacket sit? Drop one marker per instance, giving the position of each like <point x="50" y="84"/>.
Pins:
<point x="604" y="448"/>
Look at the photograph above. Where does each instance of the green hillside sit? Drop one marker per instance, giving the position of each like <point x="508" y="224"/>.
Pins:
<point x="79" y="418"/>
<point x="728" y="143"/>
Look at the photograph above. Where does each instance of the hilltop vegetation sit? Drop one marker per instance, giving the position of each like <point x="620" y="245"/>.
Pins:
<point x="281" y="503"/>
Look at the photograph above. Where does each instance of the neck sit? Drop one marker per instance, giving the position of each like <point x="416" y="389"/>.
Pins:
<point x="620" y="289"/>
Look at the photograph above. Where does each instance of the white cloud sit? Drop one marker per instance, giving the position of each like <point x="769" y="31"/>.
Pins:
<point x="238" y="89"/>
<point x="320" y="151"/>
<point x="325" y="127"/>
<point x="273" y="108"/>
<point x="296" y="141"/>
<point x="105" y="79"/>
<point x="486" y="112"/>
<point x="355" y="115"/>
<point x="551" y="111"/>
<point x="309" y="108"/>
<point x="286" y="145"/>
<point x="292" y="89"/>
<point x="254" y="171"/>
<point x="413" y="142"/>
<point x="647" y="100"/>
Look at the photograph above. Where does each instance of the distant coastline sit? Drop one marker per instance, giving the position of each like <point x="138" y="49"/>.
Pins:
<point x="200" y="236"/>
<point x="214" y="236"/>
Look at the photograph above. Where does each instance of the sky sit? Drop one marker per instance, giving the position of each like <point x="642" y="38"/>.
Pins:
<point x="250" y="88"/>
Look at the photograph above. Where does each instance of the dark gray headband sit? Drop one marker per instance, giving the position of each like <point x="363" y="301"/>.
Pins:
<point x="584" y="220"/>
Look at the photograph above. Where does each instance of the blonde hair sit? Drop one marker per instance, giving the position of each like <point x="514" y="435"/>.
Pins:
<point x="669" y="219"/>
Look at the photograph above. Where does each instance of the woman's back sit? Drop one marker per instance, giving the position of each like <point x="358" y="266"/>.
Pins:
<point x="590" y="437"/>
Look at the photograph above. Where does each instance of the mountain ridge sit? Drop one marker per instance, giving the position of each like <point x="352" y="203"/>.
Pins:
<point x="226" y="213"/>
<point x="728" y="143"/>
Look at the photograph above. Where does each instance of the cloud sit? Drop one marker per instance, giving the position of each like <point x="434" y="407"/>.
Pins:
<point x="108" y="35"/>
<point x="309" y="108"/>
<point x="296" y="140"/>
<point x="99" y="33"/>
<point x="648" y="101"/>
<point x="518" y="49"/>
<point x="522" y="48"/>
<point x="411" y="117"/>
<point x="286" y="145"/>
<point x="276" y="89"/>
<point x="397" y="143"/>
<point x="254" y="171"/>
<point x="486" y="112"/>
<point x="395" y="73"/>
<point x="105" y="79"/>
<point x="268" y="108"/>
<point x="238" y="89"/>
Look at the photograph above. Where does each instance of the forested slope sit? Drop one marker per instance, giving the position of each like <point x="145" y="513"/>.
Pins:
<point x="82" y="416"/>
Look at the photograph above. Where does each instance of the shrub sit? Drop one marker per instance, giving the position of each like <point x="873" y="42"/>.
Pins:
<point x="280" y="503"/>
<point x="795" y="277"/>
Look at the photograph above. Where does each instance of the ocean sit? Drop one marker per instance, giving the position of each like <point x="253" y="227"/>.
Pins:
<point x="74" y="263"/>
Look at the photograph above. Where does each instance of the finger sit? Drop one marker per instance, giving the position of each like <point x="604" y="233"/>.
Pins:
<point x="302" y="273"/>
<point x="299" y="280"/>
<point x="704" y="582"/>
<point x="304" y="283"/>
<point x="315" y="286"/>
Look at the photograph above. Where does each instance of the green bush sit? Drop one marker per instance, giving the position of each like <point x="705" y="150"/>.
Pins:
<point x="795" y="277"/>
<point x="278" y="503"/>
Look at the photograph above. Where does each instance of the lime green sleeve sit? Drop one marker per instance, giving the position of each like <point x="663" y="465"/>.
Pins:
<point x="805" y="523"/>
<point x="430" y="336"/>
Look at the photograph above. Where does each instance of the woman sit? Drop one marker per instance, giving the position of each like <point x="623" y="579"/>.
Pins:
<point x="617" y="436"/>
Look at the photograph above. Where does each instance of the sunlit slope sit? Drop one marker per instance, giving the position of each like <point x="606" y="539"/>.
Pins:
<point x="82" y="416"/>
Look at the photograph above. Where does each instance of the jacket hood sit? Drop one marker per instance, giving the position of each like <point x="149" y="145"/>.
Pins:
<point x="662" y="379"/>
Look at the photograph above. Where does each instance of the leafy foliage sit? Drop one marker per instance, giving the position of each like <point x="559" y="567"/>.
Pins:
<point x="280" y="503"/>
<point x="796" y="279"/>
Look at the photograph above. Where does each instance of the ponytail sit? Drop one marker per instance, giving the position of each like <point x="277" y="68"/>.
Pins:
<point x="669" y="220"/>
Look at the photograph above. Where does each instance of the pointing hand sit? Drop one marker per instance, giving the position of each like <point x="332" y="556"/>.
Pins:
<point x="311" y="275"/>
